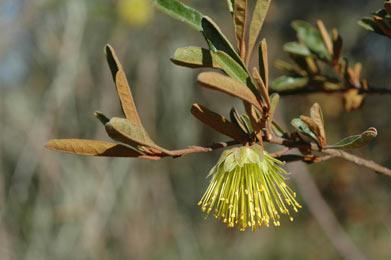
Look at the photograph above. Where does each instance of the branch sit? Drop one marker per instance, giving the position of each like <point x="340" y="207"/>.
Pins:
<point x="369" y="91"/>
<point x="334" y="152"/>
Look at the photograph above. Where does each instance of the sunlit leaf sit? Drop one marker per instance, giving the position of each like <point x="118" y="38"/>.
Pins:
<point x="315" y="128"/>
<point x="234" y="70"/>
<point x="227" y="85"/>
<point x="353" y="100"/>
<point x="230" y="4"/>
<point x="217" y="122"/>
<point x="92" y="148"/>
<point x="317" y="115"/>
<point x="356" y="141"/>
<point x="274" y="98"/>
<point x="325" y="36"/>
<point x="195" y="57"/>
<point x="259" y="14"/>
<point x="235" y="118"/>
<point x="304" y="130"/>
<point x="217" y="41"/>
<point x="310" y="36"/>
<point x="181" y="12"/>
<point x="247" y="123"/>
<point x="124" y="93"/>
<point x="288" y="83"/>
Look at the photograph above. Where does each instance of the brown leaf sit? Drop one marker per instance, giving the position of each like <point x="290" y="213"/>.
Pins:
<point x="353" y="100"/>
<point x="217" y="81"/>
<point x="315" y="128"/>
<point x="261" y="87"/>
<point x="92" y="148"/>
<point x="217" y="122"/>
<point x="382" y="25"/>
<point x="263" y="62"/>
<point x="124" y="131"/>
<point x="325" y="37"/>
<point x="239" y="17"/>
<point x="259" y="14"/>
<point x="254" y="120"/>
<point x="124" y="93"/>
<point x="317" y="116"/>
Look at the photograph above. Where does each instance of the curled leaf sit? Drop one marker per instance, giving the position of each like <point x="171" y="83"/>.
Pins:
<point x="304" y="130"/>
<point x="356" y="141"/>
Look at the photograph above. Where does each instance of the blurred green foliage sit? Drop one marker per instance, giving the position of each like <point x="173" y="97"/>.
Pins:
<point x="53" y="76"/>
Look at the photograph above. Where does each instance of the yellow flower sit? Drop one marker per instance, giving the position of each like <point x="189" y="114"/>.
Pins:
<point x="135" y="12"/>
<point x="248" y="189"/>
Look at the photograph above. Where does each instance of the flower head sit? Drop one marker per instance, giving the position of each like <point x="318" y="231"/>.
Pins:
<point x="248" y="189"/>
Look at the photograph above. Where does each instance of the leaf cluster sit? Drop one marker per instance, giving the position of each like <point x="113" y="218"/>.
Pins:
<point x="380" y="22"/>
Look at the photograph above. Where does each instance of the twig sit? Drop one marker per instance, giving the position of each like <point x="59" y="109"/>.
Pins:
<point x="278" y="154"/>
<point x="369" y="91"/>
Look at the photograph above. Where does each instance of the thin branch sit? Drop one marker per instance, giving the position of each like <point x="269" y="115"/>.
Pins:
<point x="289" y="144"/>
<point x="369" y="91"/>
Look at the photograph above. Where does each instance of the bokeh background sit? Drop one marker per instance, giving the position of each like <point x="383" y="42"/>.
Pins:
<point x="53" y="76"/>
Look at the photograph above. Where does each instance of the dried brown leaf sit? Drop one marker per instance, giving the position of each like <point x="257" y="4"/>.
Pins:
<point x="261" y="87"/>
<point x="217" y="122"/>
<point x="325" y="37"/>
<point x="315" y="128"/>
<point x="353" y="100"/>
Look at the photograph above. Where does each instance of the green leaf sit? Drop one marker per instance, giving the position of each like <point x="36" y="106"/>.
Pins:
<point x="234" y="70"/>
<point x="235" y="118"/>
<point x="304" y="130"/>
<point x="195" y="57"/>
<point x="230" y="4"/>
<point x="263" y="62"/>
<point x="310" y="36"/>
<point x="259" y="14"/>
<point x="101" y="117"/>
<point x="181" y="12"/>
<point x="279" y="131"/>
<point x="355" y="141"/>
<point x="287" y="83"/>
<point x="124" y="131"/>
<point x="297" y="49"/>
<point x="247" y="124"/>
<point x="217" y="81"/>
<point x="217" y="41"/>
<point x="369" y="24"/>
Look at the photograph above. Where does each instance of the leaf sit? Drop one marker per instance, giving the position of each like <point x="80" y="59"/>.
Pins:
<point x="274" y="98"/>
<point x="263" y="62"/>
<point x="310" y="36"/>
<point x="234" y="70"/>
<point x="217" y="122"/>
<point x="235" y="118"/>
<point x="317" y="115"/>
<point x="288" y="83"/>
<point x="239" y="17"/>
<point x="217" y="41"/>
<point x="247" y="123"/>
<point x="315" y="129"/>
<point x="259" y="14"/>
<point x="304" y="130"/>
<point x="181" y="12"/>
<point x="217" y="81"/>
<point x="230" y="4"/>
<point x="92" y="148"/>
<point x="101" y="117"/>
<point x="124" y="131"/>
<point x="369" y="24"/>
<point x="325" y="36"/>
<point x="353" y="100"/>
<point x="297" y="49"/>
<point x="279" y="131"/>
<point x="261" y="87"/>
<point x="195" y="57"/>
<point x="125" y="96"/>
<point x="355" y="141"/>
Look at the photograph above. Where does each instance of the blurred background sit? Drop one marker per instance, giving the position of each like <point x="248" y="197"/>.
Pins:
<point x="53" y="76"/>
